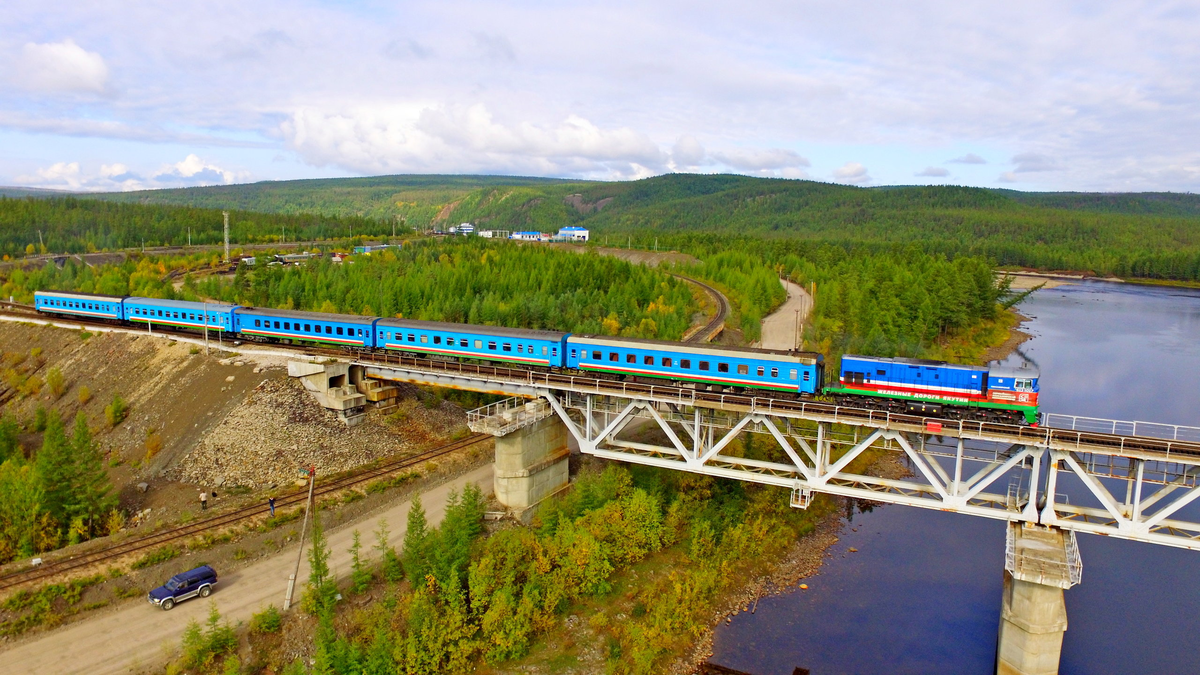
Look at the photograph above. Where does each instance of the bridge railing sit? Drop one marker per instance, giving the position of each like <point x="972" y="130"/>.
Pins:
<point x="1171" y="432"/>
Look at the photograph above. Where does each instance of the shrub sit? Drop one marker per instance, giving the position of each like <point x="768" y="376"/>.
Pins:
<point x="267" y="621"/>
<point x="85" y="395"/>
<point x="203" y="646"/>
<point x="153" y="445"/>
<point x="158" y="555"/>
<point x="115" y="412"/>
<point x="56" y="382"/>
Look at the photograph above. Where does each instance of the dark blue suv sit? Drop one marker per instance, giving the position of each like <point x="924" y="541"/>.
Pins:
<point x="184" y="586"/>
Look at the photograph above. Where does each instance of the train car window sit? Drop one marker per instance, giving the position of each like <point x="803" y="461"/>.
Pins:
<point x="631" y="358"/>
<point x="464" y="342"/>
<point x="256" y="324"/>
<point x="437" y="339"/>
<point x="553" y="352"/>
<point x="704" y="365"/>
<point x="287" y="325"/>
<point x="613" y="356"/>
<point x="666" y="362"/>
<point x="743" y="369"/>
<point x="806" y="374"/>
<point x="648" y="360"/>
<point x="881" y="372"/>
<point x="685" y="363"/>
<point x="479" y="344"/>
<point x="411" y="337"/>
<point x="307" y="328"/>
<point x="596" y="356"/>
<point x="276" y="324"/>
<point x="339" y="331"/>
<point x="508" y="346"/>
<point x="424" y="339"/>
<point x="760" y="371"/>
<point x="329" y="330"/>
<point x="774" y="372"/>
<point x="492" y="346"/>
<point x="723" y="367"/>
<point x="545" y="350"/>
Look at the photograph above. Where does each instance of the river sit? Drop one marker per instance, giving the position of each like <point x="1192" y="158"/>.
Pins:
<point x="922" y="594"/>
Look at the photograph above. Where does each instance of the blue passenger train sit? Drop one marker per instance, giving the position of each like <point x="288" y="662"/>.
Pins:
<point x="931" y="388"/>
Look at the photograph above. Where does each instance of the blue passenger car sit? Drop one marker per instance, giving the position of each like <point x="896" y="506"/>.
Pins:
<point x="492" y="343"/>
<point x="179" y="314"/>
<point x="348" y="330"/>
<point x="800" y="372"/>
<point x="79" y="304"/>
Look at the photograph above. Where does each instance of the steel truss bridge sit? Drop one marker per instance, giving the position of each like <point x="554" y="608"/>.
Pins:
<point x="1131" y="480"/>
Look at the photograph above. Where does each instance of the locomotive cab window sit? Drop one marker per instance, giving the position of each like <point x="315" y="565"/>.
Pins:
<point x="882" y="372"/>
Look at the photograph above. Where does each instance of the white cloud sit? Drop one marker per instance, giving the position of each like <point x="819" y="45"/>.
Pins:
<point x="1032" y="162"/>
<point x="687" y="153"/>
<point x="61" y="67"/>
<point x="933" y="172"/>
<point x="969" y="158"/>
<point x="191" y="171"/>
<point x="431" y="138"/>
<point x="1008" y="177"/>
<point x="851" y="172"/>
<point x="760" y="160"/>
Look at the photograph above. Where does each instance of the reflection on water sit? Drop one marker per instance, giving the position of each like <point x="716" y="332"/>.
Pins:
<point x="922" y="594"/>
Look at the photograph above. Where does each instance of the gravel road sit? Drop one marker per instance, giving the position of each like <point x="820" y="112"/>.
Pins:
<point x="779" y="329"/>
<point x="141" y="637"/>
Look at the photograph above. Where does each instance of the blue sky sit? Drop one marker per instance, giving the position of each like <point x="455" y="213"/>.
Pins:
<point x="1024" y="95"/>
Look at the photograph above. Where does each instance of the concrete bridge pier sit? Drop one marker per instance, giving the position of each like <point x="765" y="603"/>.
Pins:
<point x="531" y="464"/>
<point x="1040" y="563"/>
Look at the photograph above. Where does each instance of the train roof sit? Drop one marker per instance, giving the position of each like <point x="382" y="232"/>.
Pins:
<point x="311" y="316"/>
<point x="181" y="304"/>
<point x="499" y="331"/>
<point x="72" y="294"/>
<point x="914" y="362"/>
<point x="810" y="358"/>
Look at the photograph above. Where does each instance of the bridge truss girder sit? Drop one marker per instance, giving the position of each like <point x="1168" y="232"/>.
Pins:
<point x="1134" y="498"/>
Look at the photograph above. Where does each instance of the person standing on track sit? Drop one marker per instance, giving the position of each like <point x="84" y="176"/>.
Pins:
<point x="271" y="504"/>
<point x="203" y="501"/>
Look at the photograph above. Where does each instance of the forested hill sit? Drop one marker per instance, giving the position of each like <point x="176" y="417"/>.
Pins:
<point x="378" y="197"/>
<point x="1154" y="235"/>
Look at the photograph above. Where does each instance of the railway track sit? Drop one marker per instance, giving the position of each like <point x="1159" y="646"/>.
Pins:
<point x="223" y="520"/>
<point x="717" y="324"/>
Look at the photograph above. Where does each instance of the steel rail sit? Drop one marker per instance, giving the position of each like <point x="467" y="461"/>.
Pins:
<point x="222" y="520"/>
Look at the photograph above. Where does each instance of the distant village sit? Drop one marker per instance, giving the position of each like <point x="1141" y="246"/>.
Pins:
<point x="565" y="234"/>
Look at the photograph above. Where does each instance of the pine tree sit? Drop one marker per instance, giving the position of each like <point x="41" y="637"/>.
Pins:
<point x="360" y="576"/>
<point x="57" y="471"/>
<point x="20" y="508"/>
<point x="94" y="498"/>
<point x="389" y="562"/>
<point x="321" y="588"/>
<point x="9" y="439"/>
<point x="415" y="553"/>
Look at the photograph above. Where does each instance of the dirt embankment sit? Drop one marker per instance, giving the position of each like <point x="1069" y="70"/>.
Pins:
<point x="219" y="422"/>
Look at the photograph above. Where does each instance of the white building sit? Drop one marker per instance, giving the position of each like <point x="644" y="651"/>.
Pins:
<point x="466" y="229"/>
<point x="526" y="236"/>
<point x="573" y="233"/>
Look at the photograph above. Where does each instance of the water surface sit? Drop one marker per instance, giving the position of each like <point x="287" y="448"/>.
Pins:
<point x="922" y="594"/>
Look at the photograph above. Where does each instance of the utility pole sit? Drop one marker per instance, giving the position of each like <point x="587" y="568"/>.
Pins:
<point x="226" y="215"/>
<point x="312" y="479"/>
<point x="189" y="237"/>
<point x="41" y="244"/>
